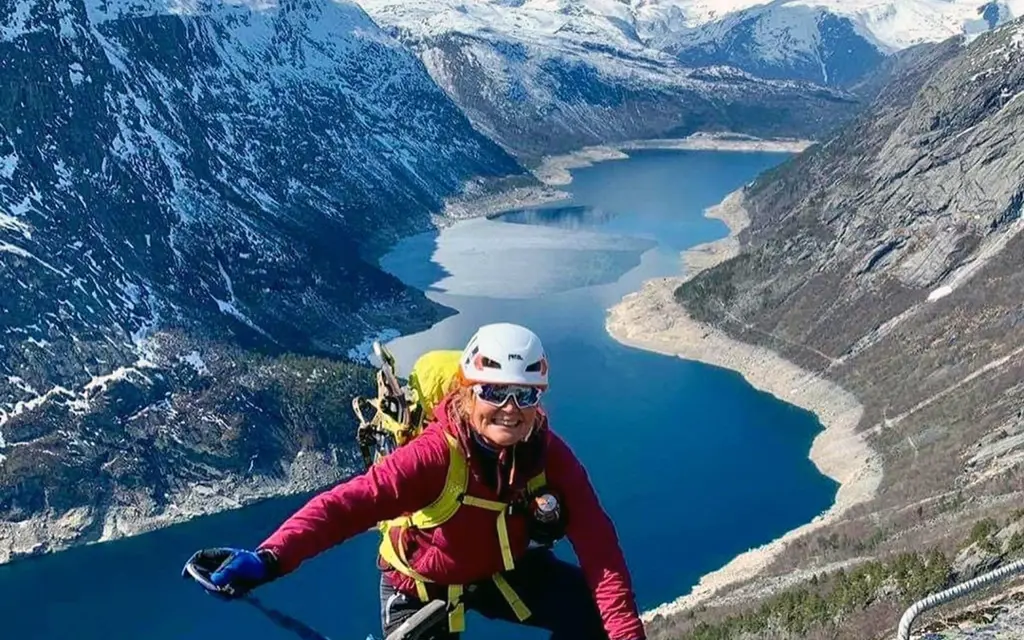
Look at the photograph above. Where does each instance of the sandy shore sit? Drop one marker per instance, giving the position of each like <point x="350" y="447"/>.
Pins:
<point x="651" y="319"/>
<point x="555" y="171"/>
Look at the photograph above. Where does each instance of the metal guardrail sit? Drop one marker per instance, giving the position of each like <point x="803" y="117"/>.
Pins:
<point x="953" y="593"/>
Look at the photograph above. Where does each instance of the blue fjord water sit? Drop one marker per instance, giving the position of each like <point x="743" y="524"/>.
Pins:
<point x="692" y="463"/>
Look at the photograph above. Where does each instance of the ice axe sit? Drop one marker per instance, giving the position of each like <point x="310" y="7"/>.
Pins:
<point x="282" y="620"/>
<point x="420" y="623"/>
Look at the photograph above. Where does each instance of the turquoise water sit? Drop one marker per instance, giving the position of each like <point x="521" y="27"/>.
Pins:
<point x="692" y="463"/>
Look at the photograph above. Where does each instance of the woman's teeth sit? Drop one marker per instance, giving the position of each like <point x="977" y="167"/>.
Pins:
<point x="507" y="422"/>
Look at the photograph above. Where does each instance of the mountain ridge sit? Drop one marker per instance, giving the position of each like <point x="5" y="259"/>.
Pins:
<point x="543" y="80"/>
<point x="822" y="41"/>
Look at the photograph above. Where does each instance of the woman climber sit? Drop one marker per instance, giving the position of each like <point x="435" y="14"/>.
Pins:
<point x="458" y="506"/>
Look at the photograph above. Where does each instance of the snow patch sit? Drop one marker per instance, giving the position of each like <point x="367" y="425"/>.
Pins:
<point x="42" y="344"/>
<point x="197" y="362"/>
<point x="76" y="72"/>
<point x="15" y="23"/>
<point x="19" y="382"/>
<point x="132" y="294"/>
<point x="141" y="336"/>
<point x="941" y="292"/>
<point x="77" y="402"/>
<point x="18" y="251"/>
<point x="23" y="207"/>
<point x="8" y="163"/>
<point x="13" y="224"/>
<point x="229" y="306"/>
<point x="230" y="309"/>
<point x="23" y="406"/>
<point x="63" y="173"/>
<point x="6" y="247"/>
<point x="99" y="384"/>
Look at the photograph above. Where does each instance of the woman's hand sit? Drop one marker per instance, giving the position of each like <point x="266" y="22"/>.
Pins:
<point x="233" y="572"/>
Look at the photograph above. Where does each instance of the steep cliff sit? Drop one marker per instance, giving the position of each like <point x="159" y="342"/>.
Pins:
<point x="886" y="259"/>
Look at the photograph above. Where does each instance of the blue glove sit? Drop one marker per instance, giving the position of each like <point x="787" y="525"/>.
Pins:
<point x="234" y="571"/>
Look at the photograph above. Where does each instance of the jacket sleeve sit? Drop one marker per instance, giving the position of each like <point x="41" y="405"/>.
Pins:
<point x="596" y="543"/>
<point x="407" y="480"/>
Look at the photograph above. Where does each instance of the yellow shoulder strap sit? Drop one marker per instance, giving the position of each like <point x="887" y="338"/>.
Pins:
<point x="446" y="504"/>
<point x="537" y="482"/>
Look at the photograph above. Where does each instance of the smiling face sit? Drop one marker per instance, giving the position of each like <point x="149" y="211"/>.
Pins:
<point x="503" y="426"/>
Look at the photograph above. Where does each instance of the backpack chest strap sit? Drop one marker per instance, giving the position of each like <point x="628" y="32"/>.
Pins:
<point x="501" y="508"/>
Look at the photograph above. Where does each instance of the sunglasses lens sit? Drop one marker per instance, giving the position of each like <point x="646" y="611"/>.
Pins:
<point x="526" y="396"/>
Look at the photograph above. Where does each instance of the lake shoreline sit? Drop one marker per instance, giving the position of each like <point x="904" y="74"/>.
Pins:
<point x="51" y="533"/>
<point x="555" y="171"/>
<point x="651" y="319"/>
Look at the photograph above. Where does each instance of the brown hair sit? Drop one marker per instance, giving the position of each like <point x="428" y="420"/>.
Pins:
<point x="462" y="397"/>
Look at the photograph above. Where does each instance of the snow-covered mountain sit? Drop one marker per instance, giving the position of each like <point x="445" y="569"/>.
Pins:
<point x="829" y="41"/>
<point x="544" y="76"/>
<point x="547" y="76"/>
<point x="186" y="191"/>
<point x="775" y="41"/>
<point x="891" y="24"/>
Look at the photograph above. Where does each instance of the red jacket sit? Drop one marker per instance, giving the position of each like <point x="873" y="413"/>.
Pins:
<point x="466" y="549"/>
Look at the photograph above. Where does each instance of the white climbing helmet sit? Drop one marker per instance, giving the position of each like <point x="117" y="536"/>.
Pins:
<point x="505" y="353"/>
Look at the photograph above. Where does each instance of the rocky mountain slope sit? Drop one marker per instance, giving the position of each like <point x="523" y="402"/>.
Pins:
<point x="886" y="259"/>
<point x="1000" y="616"/>
<point x="187" y="196"/>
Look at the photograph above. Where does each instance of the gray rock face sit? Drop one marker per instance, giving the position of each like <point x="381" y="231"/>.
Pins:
<point x="208" y="187"/>
<point x="914" y="195"/>
<point x="999" y="617"/>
